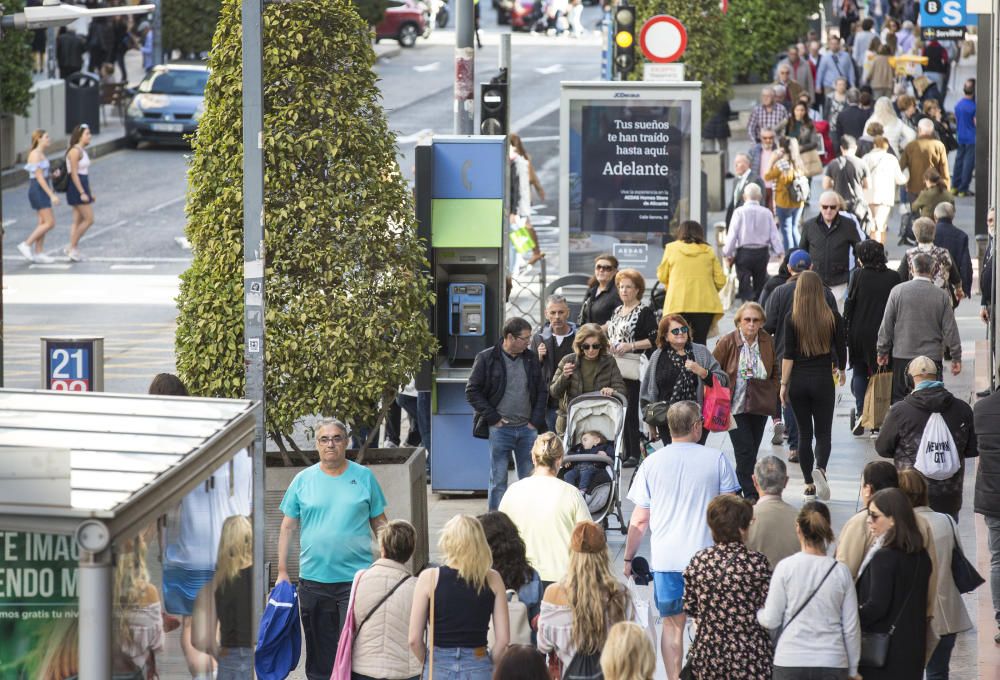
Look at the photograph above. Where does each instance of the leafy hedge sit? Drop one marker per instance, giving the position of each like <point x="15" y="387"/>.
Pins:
<point x="759" y="29"/>
<point x="15" y="66"/>
<point x="188" y="25"/>
<point x="345" y="293"/>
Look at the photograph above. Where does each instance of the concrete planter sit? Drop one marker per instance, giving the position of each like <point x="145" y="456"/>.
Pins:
<point x="401" y="473"/>
<point x="7" y="151"/>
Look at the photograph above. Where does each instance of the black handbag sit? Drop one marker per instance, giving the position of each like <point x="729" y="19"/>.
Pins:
<point x="775" y="633"/>
<point x="656" y="413"/>
<point x="875" y="646"/>
<point x="964" y="574"/>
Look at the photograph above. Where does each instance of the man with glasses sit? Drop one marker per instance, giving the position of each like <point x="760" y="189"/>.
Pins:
<point x="829" y="238"/>
<point x="509" y="397"/>
<point x="337" y="505"/>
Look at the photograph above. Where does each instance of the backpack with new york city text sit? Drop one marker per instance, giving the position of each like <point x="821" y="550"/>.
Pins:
<point x="937" y="454"/>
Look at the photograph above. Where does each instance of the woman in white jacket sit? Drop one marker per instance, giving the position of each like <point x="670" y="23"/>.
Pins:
<point x="950" y="615"/>
<point x="382" y="605"/>
<point x="896" y="132"/>
<point x="883" y="185"/>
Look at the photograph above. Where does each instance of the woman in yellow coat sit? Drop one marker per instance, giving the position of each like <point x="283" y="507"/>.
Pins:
<point x="692" y="276"/>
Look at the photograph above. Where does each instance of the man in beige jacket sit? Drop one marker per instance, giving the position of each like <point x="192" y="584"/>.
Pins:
<point x="773" y="529"/>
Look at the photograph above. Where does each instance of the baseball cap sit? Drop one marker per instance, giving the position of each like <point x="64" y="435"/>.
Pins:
<point x="922" y="366"/>
<point x="800" y="261"/>
<point x="588" y="537"/>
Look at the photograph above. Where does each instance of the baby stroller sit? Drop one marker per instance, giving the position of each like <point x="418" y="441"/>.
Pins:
<point x="594" y="411"/>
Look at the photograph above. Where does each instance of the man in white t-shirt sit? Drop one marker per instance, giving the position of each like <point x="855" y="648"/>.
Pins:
<point x="671" y="492"/>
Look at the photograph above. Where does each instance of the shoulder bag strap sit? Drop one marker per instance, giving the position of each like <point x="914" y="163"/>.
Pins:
<point x="811" y="596"/>
<point x="906" y="600"/>
<point x="382" y="601"/>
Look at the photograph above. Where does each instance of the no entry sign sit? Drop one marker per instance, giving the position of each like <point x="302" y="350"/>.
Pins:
<point x="663" y="39"/>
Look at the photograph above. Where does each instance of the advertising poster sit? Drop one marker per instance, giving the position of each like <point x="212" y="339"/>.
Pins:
<point x="38" y="604"/>
<point x="629" y="174"/>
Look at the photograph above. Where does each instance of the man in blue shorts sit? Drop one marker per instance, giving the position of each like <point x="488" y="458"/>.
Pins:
<point x="671" y="492"/>
<point x="337" y="505"/>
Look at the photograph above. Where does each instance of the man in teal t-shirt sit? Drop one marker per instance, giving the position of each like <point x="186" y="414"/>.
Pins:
<point x="336" y="504"/>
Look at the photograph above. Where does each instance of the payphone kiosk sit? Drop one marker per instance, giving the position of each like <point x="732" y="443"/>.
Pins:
<point x="461" y="188"/>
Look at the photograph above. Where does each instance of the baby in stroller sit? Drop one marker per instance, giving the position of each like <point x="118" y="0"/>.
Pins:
<point x="582" y="474"/>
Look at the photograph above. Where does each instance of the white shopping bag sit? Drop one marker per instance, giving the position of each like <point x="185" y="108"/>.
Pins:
<point x="643" y="610"/>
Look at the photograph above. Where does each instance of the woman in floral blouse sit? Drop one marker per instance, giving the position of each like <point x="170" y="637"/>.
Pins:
<point x="724" y="586"/>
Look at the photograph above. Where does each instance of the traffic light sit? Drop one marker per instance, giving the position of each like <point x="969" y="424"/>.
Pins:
<point x="494" y="106"/>
<point x="624" y="39"/>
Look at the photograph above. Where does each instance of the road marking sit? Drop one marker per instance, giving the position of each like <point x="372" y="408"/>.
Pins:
<point x="88" y="289"/>
<point x="154" y="260"/>
<point x="549" y="70"/>
<point x="48" y="266"/>
<point x="415" y="137"/>
<point x="182" y="242"/>
<point x="7" y="223"/>
<point x="535" y="116"/>
<point x="424" y="68"/>
<point x="131" y="266"/>
<point x="166" y="204"/>
<point x="546" y="138"/>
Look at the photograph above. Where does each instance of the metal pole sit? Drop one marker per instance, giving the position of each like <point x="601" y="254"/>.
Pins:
<point x="465" y="67"/>
<point x="253" y="269"/>
<point x="991" y="185"/>
<point x="158" y="33"/>
<point x="1" y="224"/>
<point x="95" y="615"/>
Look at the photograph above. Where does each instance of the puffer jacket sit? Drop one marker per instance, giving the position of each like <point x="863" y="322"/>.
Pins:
<point x="381" y="647"/>
<point x="900" y="435"/>
<point x="987" y="422"/>
<point x="567" y="389"/>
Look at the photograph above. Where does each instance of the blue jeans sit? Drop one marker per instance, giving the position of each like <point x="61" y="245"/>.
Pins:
<point x="788" y="225"/>
<point x="965" y="163"/>
<point x="551" y="414"/>
<point x="937" y="667"/>
<point x="859" y="385"/>
<point x="504" y="440"/>
<point x="581" y="474"/>
<point x="791" y="427"/>
<point x="235" y="663"/>
<point x="460" y="663"/>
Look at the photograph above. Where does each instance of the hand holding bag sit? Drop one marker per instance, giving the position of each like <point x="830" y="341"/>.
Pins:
<point x="642" y="610"/>
<point x="877" y="398"/>
<point x="717" y="407"/>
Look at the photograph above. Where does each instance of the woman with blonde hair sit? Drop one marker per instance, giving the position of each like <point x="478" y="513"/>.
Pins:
<point x="590" y="368"/>
<point x="814" y="345"/>
<point x="896" y="132"/>
<point x="42" y="197"/>
<point x="578" y="610"/>
<point x="233" y="595"/>
<point x="545" y="510"/>
<point x="456" y="602"/>
<point x="137" y="612"/>
<point x="628" y="654"/>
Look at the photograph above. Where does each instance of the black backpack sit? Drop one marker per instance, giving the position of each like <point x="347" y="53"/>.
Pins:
<point x="584" y="667"/>
<point x="59" y="174"/>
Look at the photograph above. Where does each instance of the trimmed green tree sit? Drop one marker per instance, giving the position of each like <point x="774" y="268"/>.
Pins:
<point x="346" y="284"/>
<point x="188" y="25"/>
<point x="759" y="29"/>
<point x="15" y="66"/>
<point x="705" y="57"/>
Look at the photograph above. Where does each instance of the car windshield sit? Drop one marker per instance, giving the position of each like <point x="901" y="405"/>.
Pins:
<point x="175" y="82"/>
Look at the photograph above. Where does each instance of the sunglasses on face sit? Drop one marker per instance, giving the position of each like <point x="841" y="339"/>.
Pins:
<point x="587" y="346"/>
<point x="603" y="267"/>
<point x="679" y="331"/>
<point x="828" y="207"/>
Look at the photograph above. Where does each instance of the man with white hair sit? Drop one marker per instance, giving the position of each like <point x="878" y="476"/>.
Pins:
<point x="752" y="239"/>
<point x="773" y="529"/>
<point x="799" y="69"/>
<point x="743" y="176"/>
<point x="768" y="115"/>
<point x="829" y="239"/>
<point x="955" y="241"/>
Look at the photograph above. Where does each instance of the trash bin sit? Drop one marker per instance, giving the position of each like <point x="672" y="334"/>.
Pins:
<point x="83" y="102"/>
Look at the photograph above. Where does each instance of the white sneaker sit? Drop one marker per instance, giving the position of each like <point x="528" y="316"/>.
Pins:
<point x="25" y="251"/>
<point x="809" y="493"/>
<point x="779" y="434"/>
<point x="74" y="254"/>
<point x="822" y="486"/>
<point x="42" y="258"/>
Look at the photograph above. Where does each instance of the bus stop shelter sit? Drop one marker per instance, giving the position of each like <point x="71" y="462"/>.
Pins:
<point x="100" y="467"/>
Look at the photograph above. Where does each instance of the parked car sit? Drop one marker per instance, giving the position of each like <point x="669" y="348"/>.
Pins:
<point x="405" y="23"/>
<point x="167" y="104"/>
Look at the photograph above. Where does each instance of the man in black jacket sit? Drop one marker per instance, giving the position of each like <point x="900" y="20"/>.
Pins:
<point x="904" y="425"/>
<point x="829" y="238"/>
<point x="551" y="343"/>
<point x="508" y="395"/>
<point x="987" y="498"/>
<point x="955" y="241"/>
<point x="742" y="176"/>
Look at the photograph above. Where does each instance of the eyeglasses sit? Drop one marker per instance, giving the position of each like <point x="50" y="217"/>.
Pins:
<point x="679" y="331"/>
<point x="589" y="346"/>
<point x="751" y="319"/>
<point x="523" y="338"/>
<point x="828" y="207"/>
<point x="603" y="267"/>
<point x="335" y="439"/>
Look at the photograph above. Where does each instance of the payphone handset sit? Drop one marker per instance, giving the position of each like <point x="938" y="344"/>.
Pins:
<point x="467" y="309"/>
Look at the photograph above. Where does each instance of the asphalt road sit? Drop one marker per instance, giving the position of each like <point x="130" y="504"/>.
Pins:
<point x="124" y="290"/>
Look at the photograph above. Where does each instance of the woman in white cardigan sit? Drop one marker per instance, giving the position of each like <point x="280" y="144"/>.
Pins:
<point x="883" y="185"/>
<point x="950" y="615"/>
<point x="812" y="598"/>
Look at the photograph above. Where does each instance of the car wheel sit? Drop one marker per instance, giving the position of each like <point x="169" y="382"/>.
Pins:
<point x="408" y="35"/>
<point x="131" y="142"/>
<point x="442" y="17"/>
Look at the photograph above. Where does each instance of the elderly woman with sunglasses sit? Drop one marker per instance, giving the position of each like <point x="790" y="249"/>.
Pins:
<point x="747" y="355"/>
<point x="678" y="371"/>
<point x="590" y="368"/>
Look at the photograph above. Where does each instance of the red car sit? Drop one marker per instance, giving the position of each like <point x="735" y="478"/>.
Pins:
<point x="405" y="23"/>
